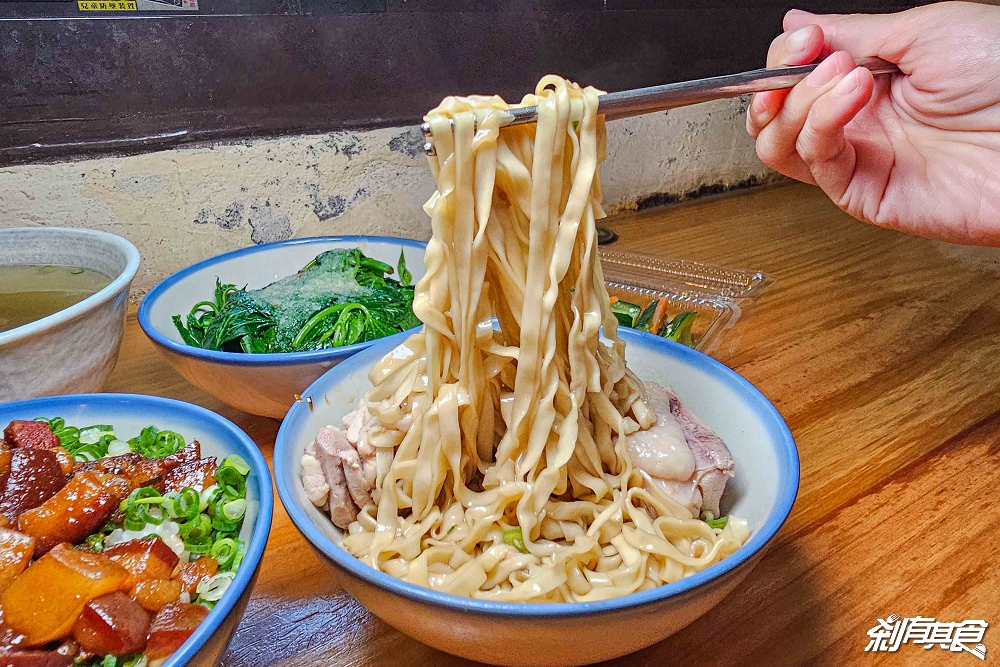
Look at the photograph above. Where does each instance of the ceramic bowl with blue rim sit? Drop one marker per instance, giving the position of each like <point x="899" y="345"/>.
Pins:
<point x="762" y="492"/>
<point x="218" y="437"/>
<point x="261" y="384"/>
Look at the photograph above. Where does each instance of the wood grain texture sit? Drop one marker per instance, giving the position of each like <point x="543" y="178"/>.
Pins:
<point x="882" y="352"/>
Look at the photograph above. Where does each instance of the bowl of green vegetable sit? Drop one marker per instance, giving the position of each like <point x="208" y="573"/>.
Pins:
<point x="256" y="326"/>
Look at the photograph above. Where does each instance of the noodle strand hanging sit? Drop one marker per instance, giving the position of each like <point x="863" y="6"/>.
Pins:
<point x="522" y="461"/>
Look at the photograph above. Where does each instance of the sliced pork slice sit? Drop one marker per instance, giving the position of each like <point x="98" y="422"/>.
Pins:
<point x="333" y="442"/>
<point x="338" y="468"/>
<point x="662" y="450"/>
<point x="357" y="425"/>
<point x="714" y="462"/>
<point x="313" y="479"/>
<point x="357" y="481"/>
<point x="342" y="508"/>
<point x="682" y="454"/>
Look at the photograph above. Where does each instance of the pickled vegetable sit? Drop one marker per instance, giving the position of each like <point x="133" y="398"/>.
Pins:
<point x="16" y="551"/>
<point x="171" y="628"/>
<point x="113" y="624"/>
<point x="76" y="511"/>
<point x="155" y="594"/>
<point x="679" y="328"/>
<point x="653" y="319"/>
<point x="148" y="558"/>
<point x="626" y="313"/>
<point x="659" y="316"/>
<point x="642" y="322"/>
<point x="45" y="601"/>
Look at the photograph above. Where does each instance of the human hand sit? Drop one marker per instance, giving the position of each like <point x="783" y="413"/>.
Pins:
<point x="917" y="151"/>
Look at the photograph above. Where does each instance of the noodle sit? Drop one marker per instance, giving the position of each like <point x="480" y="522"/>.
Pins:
<point x="500" y="467"/>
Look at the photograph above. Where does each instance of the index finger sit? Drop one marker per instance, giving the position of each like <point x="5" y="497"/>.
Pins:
<point x="796" y="47"/>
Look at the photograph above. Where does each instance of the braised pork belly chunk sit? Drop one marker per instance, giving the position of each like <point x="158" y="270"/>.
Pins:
<point x="111" y="548"/>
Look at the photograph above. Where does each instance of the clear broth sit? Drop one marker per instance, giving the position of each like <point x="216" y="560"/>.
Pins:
<point x="30" y="292"/>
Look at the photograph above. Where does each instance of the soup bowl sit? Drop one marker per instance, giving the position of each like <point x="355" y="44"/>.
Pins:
<point x="129" y="414"/>
<point x="763" y="491"/>
<point x="74" y="349"/>
<point x="261" y="384"/>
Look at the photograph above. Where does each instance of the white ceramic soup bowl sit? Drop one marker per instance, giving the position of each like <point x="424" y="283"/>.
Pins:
<point x="75" y="349"/>
<point x="767" y="476"/>
<point x="261" y="384"/>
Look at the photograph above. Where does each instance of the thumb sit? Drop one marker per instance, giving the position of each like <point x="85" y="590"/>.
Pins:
<point x="887" y="36"/>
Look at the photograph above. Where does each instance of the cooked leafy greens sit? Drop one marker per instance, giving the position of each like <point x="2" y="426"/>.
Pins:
<point x="340" y="298"/>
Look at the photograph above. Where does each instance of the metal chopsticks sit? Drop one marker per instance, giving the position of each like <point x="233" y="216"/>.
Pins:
<point x="626" y="103"/>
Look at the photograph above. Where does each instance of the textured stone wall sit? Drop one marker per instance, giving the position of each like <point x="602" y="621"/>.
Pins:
<point x="180" y="206"/>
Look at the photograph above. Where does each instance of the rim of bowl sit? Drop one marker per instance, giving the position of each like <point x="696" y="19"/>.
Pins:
<point x="262" y="526"/>
<point x="269" y="358"/>
<point x="96" y="299"/>
<point x="788" y="483"/>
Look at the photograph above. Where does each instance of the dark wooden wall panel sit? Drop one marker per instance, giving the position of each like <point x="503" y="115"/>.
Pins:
<point x="73" y="81"/>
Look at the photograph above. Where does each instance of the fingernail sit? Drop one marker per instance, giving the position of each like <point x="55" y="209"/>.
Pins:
<point x="847" y="86"/>
<point x="760" y="111"/>
<point x="824" y="73"/>
<point x="797" y="40"/>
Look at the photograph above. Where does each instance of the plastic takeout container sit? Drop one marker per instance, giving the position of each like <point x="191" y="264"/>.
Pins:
<point x="718" y="295"/>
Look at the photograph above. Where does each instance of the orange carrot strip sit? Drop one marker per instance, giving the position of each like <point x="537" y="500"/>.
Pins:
<point x="659" y="315"/>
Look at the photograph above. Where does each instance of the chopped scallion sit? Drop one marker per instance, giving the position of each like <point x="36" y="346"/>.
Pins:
<point x="515" y="538"/>
<point x="719" y="523"/>
<point x="238" y="462"/>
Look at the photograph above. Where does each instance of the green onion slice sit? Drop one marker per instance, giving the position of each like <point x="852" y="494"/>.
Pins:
<point x="223" y="526"/>
<point x="209" y="497"/>
<point x="212" y="589"/>
<point x="234" y="510"/>
<point x="201" y="544"/>
<point x="238" y="462"/>
<point x="719" y="523"/>
<point x="515" y="538"/>
<point x="232" y="483"/>
<point x="200" y="526"/>
<point x="185" y="504"/>
<point x="224" y="551"/>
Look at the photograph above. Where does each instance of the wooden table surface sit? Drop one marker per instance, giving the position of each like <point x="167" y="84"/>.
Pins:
<point x="882" y="352"/>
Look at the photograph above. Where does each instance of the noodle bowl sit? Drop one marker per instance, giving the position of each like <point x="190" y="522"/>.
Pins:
<point x="505" y="451"/>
